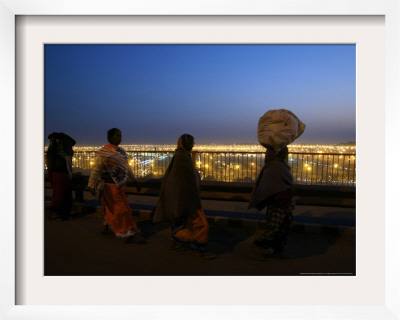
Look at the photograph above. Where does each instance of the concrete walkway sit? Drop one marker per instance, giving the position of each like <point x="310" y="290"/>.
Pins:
<point x="322" y="243"/>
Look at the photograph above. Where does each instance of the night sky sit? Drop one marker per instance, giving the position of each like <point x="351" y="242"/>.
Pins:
<point x="217" y="93"/>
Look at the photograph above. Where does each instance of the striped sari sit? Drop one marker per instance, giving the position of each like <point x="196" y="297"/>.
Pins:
<point x="118" y="213"/>
<point x="115" y="160"/>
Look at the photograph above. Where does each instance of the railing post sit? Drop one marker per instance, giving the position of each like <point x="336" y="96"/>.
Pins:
<point x="194" y="155"/>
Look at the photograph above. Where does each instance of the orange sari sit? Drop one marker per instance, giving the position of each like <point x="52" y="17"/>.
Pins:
<point x="196" y="229"/>
<point x="118" y="213"/>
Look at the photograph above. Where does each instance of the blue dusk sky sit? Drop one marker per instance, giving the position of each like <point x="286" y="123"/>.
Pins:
<point x="217" y="93"/>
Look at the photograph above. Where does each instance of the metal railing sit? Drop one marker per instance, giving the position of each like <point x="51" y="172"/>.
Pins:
<point x="307" y="168"/>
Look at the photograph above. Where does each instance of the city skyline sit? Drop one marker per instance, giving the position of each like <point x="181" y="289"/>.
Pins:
<point x="318" y="164"/>
<point x="217" y="93"/>
<point x="249" y="148"/>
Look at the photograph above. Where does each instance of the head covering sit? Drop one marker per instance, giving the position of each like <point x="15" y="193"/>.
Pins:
<point x="60" y="152"/>
<point x="64" y="141"/>
<point x="185" y="141"/>
<point x="62" y="136"/>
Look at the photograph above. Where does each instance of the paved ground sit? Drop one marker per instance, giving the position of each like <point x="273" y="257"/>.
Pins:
<point x="76" y="247"/>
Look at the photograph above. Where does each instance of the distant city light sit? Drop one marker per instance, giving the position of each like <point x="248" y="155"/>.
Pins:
<point x="310" y="164"/>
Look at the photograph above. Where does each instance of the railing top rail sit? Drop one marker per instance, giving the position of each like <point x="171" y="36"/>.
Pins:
<point x="324" y="153"/>
<point x="236" y="152"/>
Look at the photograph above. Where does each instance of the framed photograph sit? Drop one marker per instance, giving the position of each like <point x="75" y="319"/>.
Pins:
<point x="27" y="25"/>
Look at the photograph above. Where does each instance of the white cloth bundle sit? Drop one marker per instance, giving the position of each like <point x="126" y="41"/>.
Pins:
<point x="278" y="128"/>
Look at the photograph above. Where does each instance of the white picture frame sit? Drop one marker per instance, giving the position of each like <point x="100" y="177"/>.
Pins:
<point x="8" y="11"/>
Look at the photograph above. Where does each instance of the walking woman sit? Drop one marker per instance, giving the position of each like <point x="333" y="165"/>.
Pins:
<point x="109" y="178"/>
<point x="179" y="201"/>
<point x="274" y="190"/>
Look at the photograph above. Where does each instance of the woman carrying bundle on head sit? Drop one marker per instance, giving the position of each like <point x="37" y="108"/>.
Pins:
<point x="179" y="201"/>
<point x="274" y="187"/>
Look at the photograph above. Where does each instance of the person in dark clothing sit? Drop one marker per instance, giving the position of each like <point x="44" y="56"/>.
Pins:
<point x="179" y="201"/>
<point x="59" y="167"/>
<point x="274" y="190"/>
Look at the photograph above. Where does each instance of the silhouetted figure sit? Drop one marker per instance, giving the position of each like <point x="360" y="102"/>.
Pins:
<point x="108" y="180"/>
<point x="274" y="189"/>
<point x="179" y="201"/>
<point x="59" y="165"/>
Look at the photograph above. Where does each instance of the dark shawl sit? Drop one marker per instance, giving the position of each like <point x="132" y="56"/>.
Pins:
<point x="65" y="140"/>
<point x="60" y="152"/>
<point x="274" y="177"/>
<point x="180" y="189"/>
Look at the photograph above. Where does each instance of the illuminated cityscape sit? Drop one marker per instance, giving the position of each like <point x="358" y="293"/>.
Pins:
<point x="310" y="164"/>
<point x="311" y="148"/>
